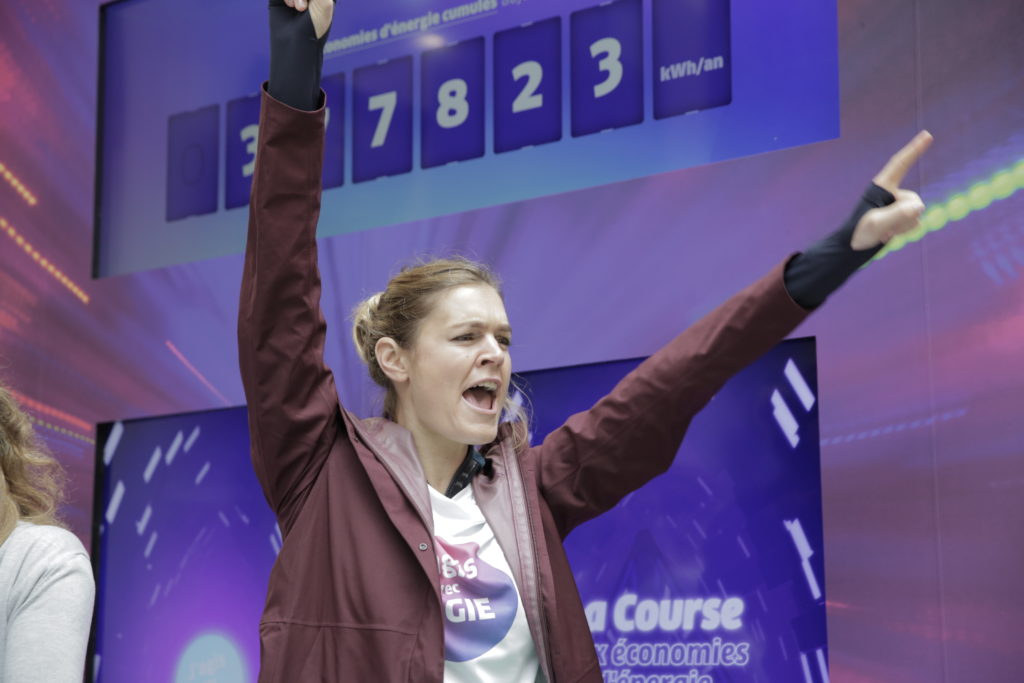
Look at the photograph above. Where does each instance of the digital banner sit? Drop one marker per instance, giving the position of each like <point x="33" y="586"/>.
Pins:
<point x="435" y="108"/>
<point x="714" y="571"/>
<point x="184" y="543"/>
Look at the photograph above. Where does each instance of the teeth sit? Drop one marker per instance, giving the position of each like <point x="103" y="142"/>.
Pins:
<point x="489" y="386"/>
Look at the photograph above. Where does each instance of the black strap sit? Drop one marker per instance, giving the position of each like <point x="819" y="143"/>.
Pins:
<point x="296" y="57"/>
<point x="828" y="263"/>
<point x="470" y="467"/>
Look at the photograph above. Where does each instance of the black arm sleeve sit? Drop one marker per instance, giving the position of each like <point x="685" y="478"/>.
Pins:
<point x="828" y="263"/>
<point x="296" y="57"/>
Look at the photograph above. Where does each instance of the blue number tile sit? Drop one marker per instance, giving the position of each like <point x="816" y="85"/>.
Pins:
<point x="692" y="56"/>
<point x="528" y="85"/>
<point x="606" y="58"/>
<point x="452" y="103"/>
<point x="192" y="162"/>
<point x="243" y="118"/>
<point x="382" y="119"/>
<point x="334" y="136"/>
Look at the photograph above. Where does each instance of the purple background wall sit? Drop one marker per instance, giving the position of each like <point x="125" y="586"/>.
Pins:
<point x="921" y="374"/>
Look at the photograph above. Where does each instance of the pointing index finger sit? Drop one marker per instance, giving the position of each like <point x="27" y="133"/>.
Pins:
<point x="893" y="172"/>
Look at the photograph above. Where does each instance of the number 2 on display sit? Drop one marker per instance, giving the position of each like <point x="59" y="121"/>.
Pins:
<point x="528" y="98"/>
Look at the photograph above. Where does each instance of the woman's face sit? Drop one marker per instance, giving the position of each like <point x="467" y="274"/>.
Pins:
<point x="458" y="369"/>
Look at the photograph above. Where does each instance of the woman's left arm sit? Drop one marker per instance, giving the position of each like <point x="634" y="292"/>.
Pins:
<point x="631" y="435"/>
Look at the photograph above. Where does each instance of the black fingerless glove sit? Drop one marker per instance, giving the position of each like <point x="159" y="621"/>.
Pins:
<point x="811" y="276"/>
<point x="296" y="57"/>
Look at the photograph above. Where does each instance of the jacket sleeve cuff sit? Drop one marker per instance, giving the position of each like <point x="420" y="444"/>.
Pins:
<point x="812" y="276"/>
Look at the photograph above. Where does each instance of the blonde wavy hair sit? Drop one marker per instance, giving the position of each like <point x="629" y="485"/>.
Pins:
<point x="31" y="479"/>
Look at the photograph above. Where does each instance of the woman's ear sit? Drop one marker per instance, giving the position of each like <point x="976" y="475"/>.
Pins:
<point x="392" y="360"/>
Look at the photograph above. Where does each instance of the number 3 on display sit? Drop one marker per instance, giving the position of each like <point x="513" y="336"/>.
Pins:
<point x="611" y="48"/>
<point x="606" y="55"/>
<point x="248" y="135"/>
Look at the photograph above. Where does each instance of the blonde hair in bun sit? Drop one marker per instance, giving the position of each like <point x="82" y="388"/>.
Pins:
<point x="363" y="328"/>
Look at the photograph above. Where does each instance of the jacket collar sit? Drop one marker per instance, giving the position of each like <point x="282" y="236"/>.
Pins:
<point x="393" y="445"/>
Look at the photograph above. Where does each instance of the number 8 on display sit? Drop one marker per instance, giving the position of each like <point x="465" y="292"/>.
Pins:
<point x="452" y="103"/>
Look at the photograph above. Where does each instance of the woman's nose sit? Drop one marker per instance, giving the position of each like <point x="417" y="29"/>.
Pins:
<point x="493" y="351"/>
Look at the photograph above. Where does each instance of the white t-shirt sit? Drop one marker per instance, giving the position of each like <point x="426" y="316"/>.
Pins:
<point x="486" y="636"/>
<point x="46" y="599"/>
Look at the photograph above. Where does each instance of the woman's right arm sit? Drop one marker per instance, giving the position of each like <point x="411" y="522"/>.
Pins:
<point x="290" y="392"/>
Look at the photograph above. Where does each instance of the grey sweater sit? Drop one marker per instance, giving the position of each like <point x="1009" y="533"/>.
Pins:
<point x="46" y="600"/>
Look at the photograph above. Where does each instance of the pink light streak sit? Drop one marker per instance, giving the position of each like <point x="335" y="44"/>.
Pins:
<point x="45" y="409"/>
<point x="180" y="356"/>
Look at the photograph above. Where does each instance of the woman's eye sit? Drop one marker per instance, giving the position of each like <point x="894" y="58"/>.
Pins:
<point x="504" y="341"/>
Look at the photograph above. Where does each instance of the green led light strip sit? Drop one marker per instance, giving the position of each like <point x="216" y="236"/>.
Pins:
<point x="1001" y="185"/>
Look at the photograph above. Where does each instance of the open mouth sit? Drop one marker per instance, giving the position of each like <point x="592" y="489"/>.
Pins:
<point x="482" y="397"/>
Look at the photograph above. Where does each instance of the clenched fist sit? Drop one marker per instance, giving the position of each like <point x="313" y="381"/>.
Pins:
<point x="320" y="11"/>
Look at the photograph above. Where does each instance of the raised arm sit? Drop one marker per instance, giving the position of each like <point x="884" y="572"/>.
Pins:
<point x="292" y="401"/>
<point x="631" y="435"/>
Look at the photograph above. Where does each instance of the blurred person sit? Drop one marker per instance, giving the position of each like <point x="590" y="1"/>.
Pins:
<point x="46" y="582"/>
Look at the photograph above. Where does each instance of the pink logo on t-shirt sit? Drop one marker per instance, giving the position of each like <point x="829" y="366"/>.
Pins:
<point x="479" y="601"/>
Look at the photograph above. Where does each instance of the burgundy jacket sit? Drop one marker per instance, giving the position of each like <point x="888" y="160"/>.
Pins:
<point x="354" y="594"/>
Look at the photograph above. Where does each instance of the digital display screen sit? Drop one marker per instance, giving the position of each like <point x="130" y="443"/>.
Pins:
<point x="715" y="569"/>
<point x="446" y="107"/>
